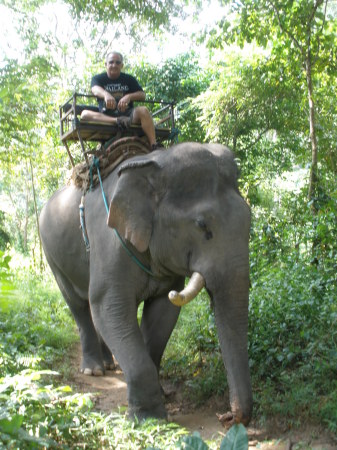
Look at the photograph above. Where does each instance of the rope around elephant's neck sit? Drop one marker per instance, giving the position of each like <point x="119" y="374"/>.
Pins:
<point x="128" y="251"/>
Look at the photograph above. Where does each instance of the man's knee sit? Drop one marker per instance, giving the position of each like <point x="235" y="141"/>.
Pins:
<point x="86" y="114"/>
<point x="141" y="112"/>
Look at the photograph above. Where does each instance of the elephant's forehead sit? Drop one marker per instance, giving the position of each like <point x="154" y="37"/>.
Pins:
<point x="197" y="181"/>
<point x="189" y="155"/>
<point x="199" y="162"/>
<point x="197" y="186"/>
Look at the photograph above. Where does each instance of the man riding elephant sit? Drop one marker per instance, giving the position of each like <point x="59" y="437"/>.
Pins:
<point x="116" y="91"/>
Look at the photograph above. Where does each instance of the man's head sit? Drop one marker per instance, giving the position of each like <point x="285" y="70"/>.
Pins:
<point x="114" y="64"/>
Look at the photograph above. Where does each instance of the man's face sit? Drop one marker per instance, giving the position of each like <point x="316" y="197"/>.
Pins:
<point x="113" y="65"/>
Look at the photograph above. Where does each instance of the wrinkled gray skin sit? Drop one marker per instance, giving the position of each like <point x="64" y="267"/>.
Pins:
<point x="180" y="211"/>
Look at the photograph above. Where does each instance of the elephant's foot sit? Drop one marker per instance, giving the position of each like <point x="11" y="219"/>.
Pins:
<point x="140" y="414"/>
<point x="95" y="366"/>
<point x="92" y="366"/>
<point x="96" y="371"/>
<point x="109" y="361"/>
<point x="110" y="365"/>
<point x="228" y="419"/>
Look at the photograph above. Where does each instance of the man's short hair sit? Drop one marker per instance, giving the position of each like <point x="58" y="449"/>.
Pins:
<point x="114" y="53"/>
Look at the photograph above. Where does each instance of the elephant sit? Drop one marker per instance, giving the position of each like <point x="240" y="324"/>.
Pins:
<point x="170" y="215"/>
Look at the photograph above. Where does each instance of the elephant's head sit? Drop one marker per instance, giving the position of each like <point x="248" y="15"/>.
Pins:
<point x="183" y="207"/>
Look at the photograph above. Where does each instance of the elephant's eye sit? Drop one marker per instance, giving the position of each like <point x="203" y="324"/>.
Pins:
<point x="203" y="226"/>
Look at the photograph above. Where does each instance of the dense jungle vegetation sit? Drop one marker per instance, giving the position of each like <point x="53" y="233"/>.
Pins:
<point x="262" y="80"/>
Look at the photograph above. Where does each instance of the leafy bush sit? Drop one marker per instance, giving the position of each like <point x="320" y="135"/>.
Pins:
<point x="293" y="311"/>
<point x="36" y="325"/>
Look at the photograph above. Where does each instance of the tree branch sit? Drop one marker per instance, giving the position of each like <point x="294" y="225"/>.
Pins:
<point x="284" y="30"/>
<point x="259" y="137"/>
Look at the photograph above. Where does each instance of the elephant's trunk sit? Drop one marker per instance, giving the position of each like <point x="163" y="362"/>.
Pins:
<point x="194" y="286"/>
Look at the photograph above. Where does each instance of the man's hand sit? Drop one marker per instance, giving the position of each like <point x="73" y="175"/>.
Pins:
<point x="110" y="102"/>
<point x="123" y="103"/>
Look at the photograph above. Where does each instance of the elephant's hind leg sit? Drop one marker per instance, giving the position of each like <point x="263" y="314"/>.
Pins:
<point x="95" y="354"/>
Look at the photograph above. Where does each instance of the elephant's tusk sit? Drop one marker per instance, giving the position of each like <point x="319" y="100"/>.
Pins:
<point x="194" y="286"/>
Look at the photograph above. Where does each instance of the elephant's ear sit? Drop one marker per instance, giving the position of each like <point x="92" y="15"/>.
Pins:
<point x="133" y="203"/>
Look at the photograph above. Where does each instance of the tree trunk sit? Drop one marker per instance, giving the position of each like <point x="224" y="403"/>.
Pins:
<point x="313" y="180"/>
<point x="36" y="215"/>
<point x="26" y="221"/>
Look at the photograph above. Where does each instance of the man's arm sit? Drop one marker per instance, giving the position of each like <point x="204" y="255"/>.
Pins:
<point x="123" y="103"/>
<point x="138" y="96"/>
<point x="99" y="92"/>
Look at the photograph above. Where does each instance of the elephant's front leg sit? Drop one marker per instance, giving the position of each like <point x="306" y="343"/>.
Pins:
<point x="158" y="321"/>
<point x="115" y="316"/>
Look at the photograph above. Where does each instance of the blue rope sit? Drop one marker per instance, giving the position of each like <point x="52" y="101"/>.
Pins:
<point x="128" y="251"/>
<point x="174" y="135"/>
<point x="96" y="164"/>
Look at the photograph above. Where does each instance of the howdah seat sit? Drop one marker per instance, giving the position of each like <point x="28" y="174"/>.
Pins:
<point x="96" y="137"/>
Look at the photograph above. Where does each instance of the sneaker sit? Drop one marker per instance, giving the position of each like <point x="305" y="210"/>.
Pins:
<point x="123" y="123"/>
<point x="156" y="146"/>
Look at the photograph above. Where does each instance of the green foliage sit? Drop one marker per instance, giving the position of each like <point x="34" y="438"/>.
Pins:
<point x="153" y="15"/>
<point x="31" y="334"/>
<point x="7" y="287"/>
<point x="193" y="442"/>
<point x="292" y="323"/>
<point x="293" y="310"/>
<point x="251" y="106"/>
<point x="177" y="80"/>
<point x="4" y="236"/>
<point x="36" y="414"/>
<point x="297" y="37"/>
<point x="24" y="91"/>
<point x="235" y="439"/>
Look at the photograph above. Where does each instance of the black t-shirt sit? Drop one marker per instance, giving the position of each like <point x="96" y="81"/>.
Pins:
<point x="124" y="84"/>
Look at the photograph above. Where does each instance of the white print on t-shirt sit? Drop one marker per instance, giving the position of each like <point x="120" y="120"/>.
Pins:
<point x="116" y="87"/>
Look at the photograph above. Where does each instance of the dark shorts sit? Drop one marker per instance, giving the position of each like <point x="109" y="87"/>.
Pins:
<point x="116" y="113"/>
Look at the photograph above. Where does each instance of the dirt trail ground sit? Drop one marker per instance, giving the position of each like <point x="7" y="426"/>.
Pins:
<point x="110" y="393"/>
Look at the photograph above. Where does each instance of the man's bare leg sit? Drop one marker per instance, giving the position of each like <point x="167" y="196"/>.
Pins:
<point x="142" y="116"/>
<point x="94" y="116"/>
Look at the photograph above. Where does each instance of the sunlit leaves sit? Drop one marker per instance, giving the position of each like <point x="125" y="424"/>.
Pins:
<point x="147" y="12"/>
<point x="26" y="87"/>
<point x="177" y="80"/>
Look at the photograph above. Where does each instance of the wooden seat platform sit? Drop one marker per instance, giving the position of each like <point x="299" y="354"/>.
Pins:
<point x="101" y="132"/>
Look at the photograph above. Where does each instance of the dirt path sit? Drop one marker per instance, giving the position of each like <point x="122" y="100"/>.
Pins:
<point x="111" y="393"/>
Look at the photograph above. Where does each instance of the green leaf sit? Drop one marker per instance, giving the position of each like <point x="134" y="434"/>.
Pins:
<point x="11" y="426"/>
<point x="193" y="442"/>
<point x="235" y="439"/>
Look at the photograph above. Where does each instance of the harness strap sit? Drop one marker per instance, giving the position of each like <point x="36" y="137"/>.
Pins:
<point x="128" y="251"/>
<point x="83" y="228"/>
